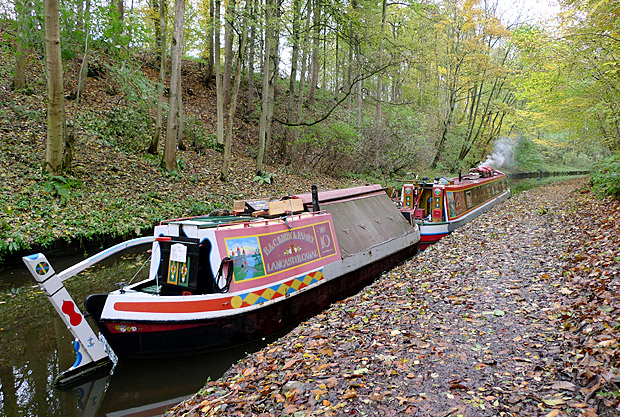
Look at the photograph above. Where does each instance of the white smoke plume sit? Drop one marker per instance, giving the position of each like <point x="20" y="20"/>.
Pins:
<point x="503" y="153"/>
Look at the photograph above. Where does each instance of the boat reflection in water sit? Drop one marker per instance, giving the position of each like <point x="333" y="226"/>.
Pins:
<point x="147" y="388"/>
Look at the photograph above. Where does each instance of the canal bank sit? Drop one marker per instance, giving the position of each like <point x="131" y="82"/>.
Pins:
<point x="486" y="322"/>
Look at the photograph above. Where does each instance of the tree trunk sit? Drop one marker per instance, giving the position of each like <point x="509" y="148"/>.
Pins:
<point x="55" y="99"/>
<point x="379" y="75"/>
<point x="181" y="131"/>
<point x="170" y="149"/>
<point x="120" y="7"/>
<point x="350" y="68"/>
<point x="446" y="127"/>
<point x="314" y="68"/>
<point x="156" y="27"/>
<point x="337" y="69"/>
<point x="211" y="31"/>
<point x="84" y="66"/>
<point x="228" y="52"/>
<point x="273" y="79"/>
<point x="219" y="100"/>
<point x="358" y="85"/>
<point x="21" y="45"/>
<point x="304" y="61"/>
<point x="153" y="148"/>
<point x="262" y="138"/>
<point x="233" y="99"/>
<point x="291" y="116"/>
<point x="250" y="105"/>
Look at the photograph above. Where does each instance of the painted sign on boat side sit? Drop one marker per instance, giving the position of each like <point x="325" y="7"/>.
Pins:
<point x="272" y="253"/>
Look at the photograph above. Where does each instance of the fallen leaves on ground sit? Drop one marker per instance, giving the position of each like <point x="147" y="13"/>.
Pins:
<point x="511" y="315"/>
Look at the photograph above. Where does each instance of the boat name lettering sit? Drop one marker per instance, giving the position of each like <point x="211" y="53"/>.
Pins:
<point x="287" y="237"/>
<point x="291" y="261"/>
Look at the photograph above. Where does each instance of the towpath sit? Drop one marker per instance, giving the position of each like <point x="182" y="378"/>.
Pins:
<point x="488" y="322"/>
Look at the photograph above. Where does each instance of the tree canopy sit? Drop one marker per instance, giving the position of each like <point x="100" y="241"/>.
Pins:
<point x="350" y="86"/>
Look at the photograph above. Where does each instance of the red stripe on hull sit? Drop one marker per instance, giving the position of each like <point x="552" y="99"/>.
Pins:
<point x="164" y="339"/>
<point x="428" y="240"/>
<point x="174" y="306"/>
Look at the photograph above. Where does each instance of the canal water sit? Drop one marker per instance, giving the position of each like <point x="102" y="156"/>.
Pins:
<point x="35" y="346"/>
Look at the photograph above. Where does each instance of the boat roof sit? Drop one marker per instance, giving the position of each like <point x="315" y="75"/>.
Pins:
<point x="464" y="181"/>
<point x="206" y="222"/>
<point x="342" y="194"/>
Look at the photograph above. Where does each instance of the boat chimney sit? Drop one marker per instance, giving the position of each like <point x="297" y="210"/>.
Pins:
<point x="460" y="177"/>
<point x="315" y="199"/>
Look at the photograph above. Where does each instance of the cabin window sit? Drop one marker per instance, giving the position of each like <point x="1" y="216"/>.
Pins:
<point x="468" y="199"/>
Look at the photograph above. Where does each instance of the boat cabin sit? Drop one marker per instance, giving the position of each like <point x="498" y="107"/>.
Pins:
<point x="444" y="200"/>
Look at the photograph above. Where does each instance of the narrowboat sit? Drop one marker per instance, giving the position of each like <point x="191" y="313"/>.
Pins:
<point x="439" y="207"/>
<point x="221" y="281"/>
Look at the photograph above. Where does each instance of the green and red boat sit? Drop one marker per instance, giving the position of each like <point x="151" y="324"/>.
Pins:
<point x="440" y="206"/>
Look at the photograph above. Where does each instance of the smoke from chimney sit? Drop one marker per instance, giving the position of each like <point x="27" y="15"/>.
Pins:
<point x="502" y="155"/>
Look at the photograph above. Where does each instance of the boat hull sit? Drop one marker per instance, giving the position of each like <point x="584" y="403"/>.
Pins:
<point x="182" y="337"/>
<point x="431" y="233"/>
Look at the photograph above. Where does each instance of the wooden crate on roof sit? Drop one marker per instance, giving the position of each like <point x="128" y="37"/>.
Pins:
<point x="293" y="205"/>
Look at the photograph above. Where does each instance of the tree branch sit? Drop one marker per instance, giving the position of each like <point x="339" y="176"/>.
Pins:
<point x="338" y="103"/>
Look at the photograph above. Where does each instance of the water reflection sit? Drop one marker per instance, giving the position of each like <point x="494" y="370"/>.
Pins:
<point x="36" y="347"/>
<point x="147" y="387"/>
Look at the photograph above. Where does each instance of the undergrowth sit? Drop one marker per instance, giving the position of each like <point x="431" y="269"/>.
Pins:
<point x="606" y="177"/>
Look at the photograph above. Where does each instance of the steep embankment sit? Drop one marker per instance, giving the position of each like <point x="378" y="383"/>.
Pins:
<point x="110" y="190"/>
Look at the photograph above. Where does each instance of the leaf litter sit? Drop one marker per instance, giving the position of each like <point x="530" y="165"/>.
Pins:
<point x="511" y="315"/>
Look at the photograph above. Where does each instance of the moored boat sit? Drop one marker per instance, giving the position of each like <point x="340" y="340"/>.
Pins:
<point x="443" y="205"/>
<point x="221" y="281"/>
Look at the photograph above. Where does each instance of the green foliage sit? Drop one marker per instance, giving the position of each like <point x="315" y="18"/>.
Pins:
<point x="527" y="156"/>
<point x="391" y="147"/>
<point x="129" y="128"/>
<point x="199" y="208"/>
<point x="10" y="240"/>
<point x="196" y="134"/>
<point x="111" y="35"/>
<point x="26" y="113"/>
<point x="327" y="147"/>
<point x="606" y="177"/>
<point x="60" y="186"/>
<point x="264" y="178"/>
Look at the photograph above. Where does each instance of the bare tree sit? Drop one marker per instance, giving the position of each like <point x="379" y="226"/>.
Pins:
<point x="268" y="64"/>
<point x="218" y="78"/>
<point x="55" y="100"/>
<point x="169" y="161"/>
<point x="21" y="44"/>
<point x="153" y="147"/>
<point x="233" y="100"/>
